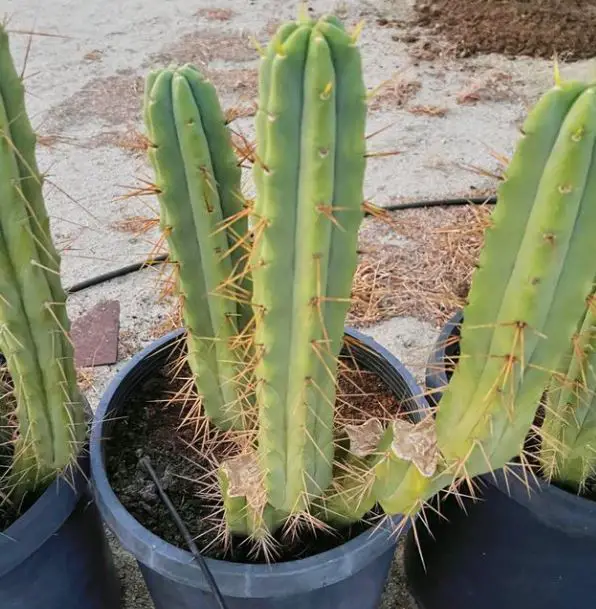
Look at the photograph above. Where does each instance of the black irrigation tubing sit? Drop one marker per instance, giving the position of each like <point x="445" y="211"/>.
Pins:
<point x="441" y="203"/>
<point x="121" y="272"/>
<point x="192" y="546"/>
<point x="137" y="266"/>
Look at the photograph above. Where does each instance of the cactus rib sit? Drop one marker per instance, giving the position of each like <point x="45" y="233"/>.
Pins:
<point x="568" y="450"/>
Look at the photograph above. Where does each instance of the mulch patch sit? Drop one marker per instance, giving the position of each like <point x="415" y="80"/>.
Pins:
<point x="538" y="28"/>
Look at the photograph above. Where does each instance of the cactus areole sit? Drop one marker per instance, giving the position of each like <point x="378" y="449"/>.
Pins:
<point x="266" y="284"/>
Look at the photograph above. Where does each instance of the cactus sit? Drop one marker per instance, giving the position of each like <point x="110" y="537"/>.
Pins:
<point x="535" y="274"/>
<point x="568" y="448"/>
<point x="202" y="216"/>
<point x="33" y="319"/>
<point x="536" y="271"/>
<point x="310" y="129"/>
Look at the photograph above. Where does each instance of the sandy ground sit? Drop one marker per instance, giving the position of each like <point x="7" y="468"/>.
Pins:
<point x="84" y="88"/>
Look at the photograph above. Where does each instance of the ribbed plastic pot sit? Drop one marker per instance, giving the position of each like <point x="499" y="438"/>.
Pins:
<point x="55" y="556"/>
<point x="351" y="576"/>
<point x="512" y="549"/>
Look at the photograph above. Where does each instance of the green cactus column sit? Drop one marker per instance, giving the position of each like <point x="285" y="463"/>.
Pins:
<point x="202" y="217"/>
<point x="33" y="319"/>
<point x="309" y="176"/>
<point x="568" y="433"/>
<point x="535" y="272"/>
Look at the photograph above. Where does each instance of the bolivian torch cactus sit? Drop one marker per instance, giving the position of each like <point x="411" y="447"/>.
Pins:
<point x="535" y="272"/>
<point x="299" y="256"/>
<point x="568" y="433"/>
<point x="309" y="174"/>
<point x="33" y="321"/>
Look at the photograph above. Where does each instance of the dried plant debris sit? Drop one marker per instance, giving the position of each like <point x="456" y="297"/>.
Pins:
<point x="428" y="49"/>
<point x="215" y="14"/>
<point x="364" y="438"/>
<point x="420" y="267"/>
<point x="95" y="55"/>
<point x="136" y="225"/>
<point x="418" y="264"/>
<point x="242" y="84"/>
<point x="417" y="443"/>
<point x="394" y="93"/>
<point x="50" y="140"/>
<point x="428" y="110"/>
<point x="204" y="46"/>
<point x="114" y="100"/>
<point x="130" y="140"/>
<point x="493" y="86"/>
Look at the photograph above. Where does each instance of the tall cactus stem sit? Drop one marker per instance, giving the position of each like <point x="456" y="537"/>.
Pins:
<point x="309" y="200"/>
<point x="199" y="192"/>
<point x="33" y="321"/>
<point x="568" y="433"/>
<point x="535" y="271"/>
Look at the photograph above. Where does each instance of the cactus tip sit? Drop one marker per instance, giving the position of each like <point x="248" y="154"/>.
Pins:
<point x="357" y="31"/>
<point x="557" y="71"/>
<point x="303" y="16"/>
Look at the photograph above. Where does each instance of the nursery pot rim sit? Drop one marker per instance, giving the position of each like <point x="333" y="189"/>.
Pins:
<point x="44" y="517"/>
<point x="555" y="506"/>
<point x="235" y="579"/>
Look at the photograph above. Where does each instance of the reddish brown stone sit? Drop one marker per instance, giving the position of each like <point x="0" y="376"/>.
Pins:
<point x="95" y="335"/>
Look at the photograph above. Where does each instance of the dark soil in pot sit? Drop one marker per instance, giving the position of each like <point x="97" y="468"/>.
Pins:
<point x="538" y="28"/>
<point x="350" y="574"/>
<point x="153" y="428"/>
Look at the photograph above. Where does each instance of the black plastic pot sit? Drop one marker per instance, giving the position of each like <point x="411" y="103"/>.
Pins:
<point x="513" y="549"/>
<point x="55" y="556"/>
<point x="350" y="576"/>
<point x="443" y="358"/>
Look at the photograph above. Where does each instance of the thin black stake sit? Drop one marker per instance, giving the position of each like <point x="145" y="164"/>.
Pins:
<point x="192" y="546"/>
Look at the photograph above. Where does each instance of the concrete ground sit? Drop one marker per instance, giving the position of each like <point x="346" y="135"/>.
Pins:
<point x="85" y="82"/>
